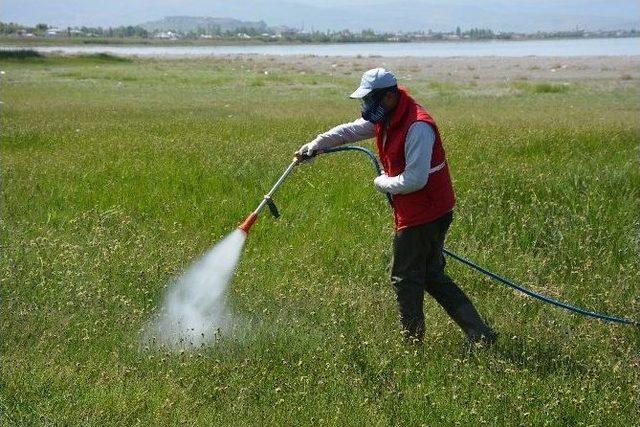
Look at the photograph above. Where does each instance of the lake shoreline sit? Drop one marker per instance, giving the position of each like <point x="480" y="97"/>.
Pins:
<point x="53" y="42"/>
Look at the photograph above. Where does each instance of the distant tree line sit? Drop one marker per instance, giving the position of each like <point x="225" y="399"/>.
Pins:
<point x="118" y="32"/>
<point x="266" y="34"/>
<point x="41" y="30"/>
<point x="13" y="28"/>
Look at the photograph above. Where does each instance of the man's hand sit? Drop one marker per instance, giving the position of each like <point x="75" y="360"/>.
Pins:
<point x="380" y="183"/>
<point x="307" y="152"/>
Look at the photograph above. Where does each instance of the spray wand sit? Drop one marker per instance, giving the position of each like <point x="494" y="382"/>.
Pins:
<point x="267" y="199"/>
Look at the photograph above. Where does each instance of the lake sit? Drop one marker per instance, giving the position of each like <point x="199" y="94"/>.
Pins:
<point x="564" y="47"/>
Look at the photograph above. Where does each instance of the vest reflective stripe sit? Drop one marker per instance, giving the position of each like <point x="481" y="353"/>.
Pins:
<point x="437" y="168"/>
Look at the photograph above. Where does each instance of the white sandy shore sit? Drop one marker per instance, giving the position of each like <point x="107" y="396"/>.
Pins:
<point x="622" y="68"/>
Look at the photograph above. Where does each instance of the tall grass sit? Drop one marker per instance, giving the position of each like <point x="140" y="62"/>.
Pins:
<point x="116" y="175"/>
<point x="105" y="57"/>
<point x="19" y="54"/>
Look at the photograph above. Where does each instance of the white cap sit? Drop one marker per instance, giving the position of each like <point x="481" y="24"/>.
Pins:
<point x="376" y="78"/>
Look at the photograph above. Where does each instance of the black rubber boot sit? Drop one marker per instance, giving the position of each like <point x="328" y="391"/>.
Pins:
<point x="477" y="331"/>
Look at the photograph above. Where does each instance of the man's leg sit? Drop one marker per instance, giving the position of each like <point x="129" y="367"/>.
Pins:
<point x="407" y="277"/>
<point x="445" y="291"/>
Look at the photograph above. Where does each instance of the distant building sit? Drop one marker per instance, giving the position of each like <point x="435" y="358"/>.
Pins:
<point x="23" y="33"/>
<point x="53" y="32"/>
<point x="167" y="35"/>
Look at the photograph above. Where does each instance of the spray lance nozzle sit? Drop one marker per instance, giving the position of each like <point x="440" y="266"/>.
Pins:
<point x="248" y="222"/>
<point x="267" y="201"/>
<point x="251" y="219"/>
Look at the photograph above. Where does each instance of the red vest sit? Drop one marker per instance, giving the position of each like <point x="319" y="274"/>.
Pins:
<point x="434" y="199"/>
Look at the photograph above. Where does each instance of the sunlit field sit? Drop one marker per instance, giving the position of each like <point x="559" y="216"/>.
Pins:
<point x="117" y="173"/>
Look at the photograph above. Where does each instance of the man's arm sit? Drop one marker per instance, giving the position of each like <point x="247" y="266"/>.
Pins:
<point x="418" y="147"/>
<point x="346" y="133"/>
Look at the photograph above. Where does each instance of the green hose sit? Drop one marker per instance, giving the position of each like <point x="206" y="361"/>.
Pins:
<point x="488" y="273"/>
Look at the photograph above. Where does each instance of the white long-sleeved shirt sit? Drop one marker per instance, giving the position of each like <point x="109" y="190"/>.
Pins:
<point x="418" y="148"/>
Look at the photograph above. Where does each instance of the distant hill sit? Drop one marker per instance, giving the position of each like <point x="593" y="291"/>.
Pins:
<point x="191" y="23"/>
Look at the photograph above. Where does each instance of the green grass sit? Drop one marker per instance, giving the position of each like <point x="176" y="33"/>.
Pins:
<point x="116" y="175"/>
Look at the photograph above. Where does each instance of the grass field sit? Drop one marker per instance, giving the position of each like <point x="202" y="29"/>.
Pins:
<point x="117" y="173"/>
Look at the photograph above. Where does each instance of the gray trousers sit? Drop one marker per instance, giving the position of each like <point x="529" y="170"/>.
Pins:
<point x="419" y="266"/>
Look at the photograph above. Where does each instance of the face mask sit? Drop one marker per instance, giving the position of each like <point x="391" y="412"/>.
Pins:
<point x="373" y="111"/>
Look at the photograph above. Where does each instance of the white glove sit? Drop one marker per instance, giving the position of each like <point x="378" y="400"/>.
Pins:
<point x="380" y="183"/>
<point x="309" y="149"/>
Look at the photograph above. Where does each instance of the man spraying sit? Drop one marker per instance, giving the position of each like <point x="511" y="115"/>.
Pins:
<point x="416" y="175"/>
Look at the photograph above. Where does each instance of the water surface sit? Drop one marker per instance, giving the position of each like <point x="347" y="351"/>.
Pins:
<point x="565" y="47"/>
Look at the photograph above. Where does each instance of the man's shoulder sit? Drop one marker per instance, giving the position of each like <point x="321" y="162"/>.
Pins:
<point x="423" y="114"/>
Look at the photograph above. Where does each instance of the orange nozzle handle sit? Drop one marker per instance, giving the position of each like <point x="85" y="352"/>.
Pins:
<point x="246" y="225"/>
